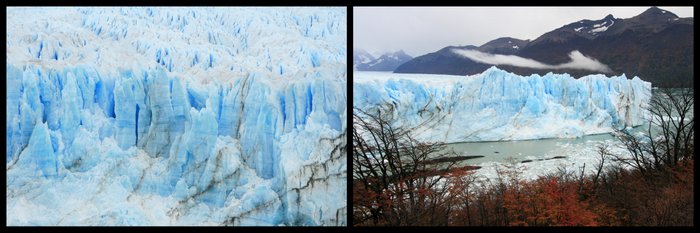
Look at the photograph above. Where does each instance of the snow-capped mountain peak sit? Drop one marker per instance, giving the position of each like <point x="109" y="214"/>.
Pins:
<point x="360" y="56"/>
<point x="592" y="27"/>
<point x="385" y="62"/>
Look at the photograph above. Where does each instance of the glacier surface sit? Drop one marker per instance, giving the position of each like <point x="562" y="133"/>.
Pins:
<point x="176" y="116"/>
<point x="497" y="105"/>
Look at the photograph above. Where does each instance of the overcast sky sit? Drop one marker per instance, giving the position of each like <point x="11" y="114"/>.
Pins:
<point x="421" y="30"/>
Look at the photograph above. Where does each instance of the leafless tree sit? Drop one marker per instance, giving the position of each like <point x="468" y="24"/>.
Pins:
<point x="669" y="136"/>
<point x="394" y="181"/>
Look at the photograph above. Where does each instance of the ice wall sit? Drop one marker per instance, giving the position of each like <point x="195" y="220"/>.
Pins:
<point x="497" y="105"/>
<point x="129" y="116"/>
<point x="290" y="134"/>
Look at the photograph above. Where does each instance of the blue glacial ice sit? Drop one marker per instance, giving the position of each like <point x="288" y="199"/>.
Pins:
<point x="497" y="105"/>
<point x="176" y="116"/>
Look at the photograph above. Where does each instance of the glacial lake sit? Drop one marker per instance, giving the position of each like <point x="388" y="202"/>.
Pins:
<point x="500" y="151"/>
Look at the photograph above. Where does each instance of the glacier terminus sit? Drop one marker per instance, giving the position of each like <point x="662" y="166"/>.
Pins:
<point x="497" y="105"/>
<point x="176" y="116"/>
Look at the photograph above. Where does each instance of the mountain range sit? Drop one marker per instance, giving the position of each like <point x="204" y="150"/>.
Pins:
<point x="364" y="61"/>
<point x="656" y="45"/>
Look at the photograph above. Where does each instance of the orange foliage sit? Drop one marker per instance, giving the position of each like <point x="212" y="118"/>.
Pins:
<point x="547" y="202"/>
<point x="623" y="197"/>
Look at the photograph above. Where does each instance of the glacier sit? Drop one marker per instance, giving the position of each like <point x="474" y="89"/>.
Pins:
<point x="176" y="116"/>
<point x="499" y="106"/>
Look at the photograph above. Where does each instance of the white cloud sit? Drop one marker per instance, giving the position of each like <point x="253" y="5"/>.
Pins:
<point x="578" y="61"/>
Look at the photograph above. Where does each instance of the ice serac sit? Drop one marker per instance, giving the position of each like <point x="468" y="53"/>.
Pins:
<point x="28" y="109"/>
<point x="176" y="144"/>
<point x="259" y="124"/>
<point x="40" y="154"/>
<point x="498" y="105"/>
<point x="70" y="120"/>
<point x="223" y="117"/>
<point x="165" y="125"/>
<point x="125" y="93"/>
<point x="13" y="110"/>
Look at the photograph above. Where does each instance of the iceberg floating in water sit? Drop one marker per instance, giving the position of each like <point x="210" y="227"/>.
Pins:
<point x="498" y="105"/>
<point x="176" y="116"/>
